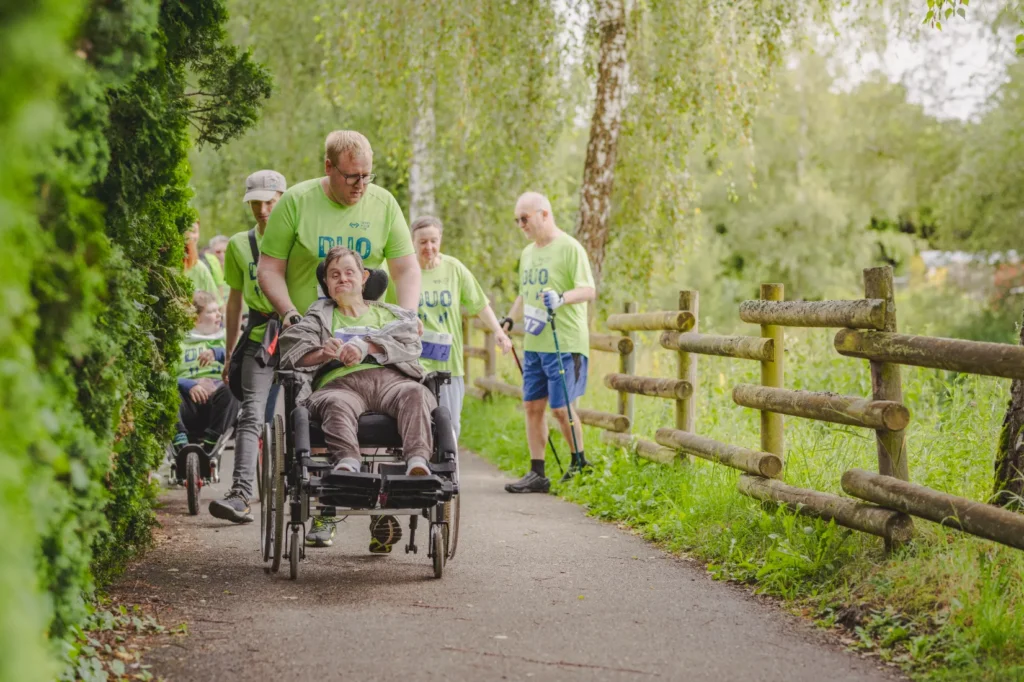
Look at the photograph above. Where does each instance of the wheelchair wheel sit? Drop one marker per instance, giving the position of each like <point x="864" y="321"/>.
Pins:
<point x="293" y="554"/>
<point x="261" y="457"/>
<point x="277" y="455"/>
<point x="437" y="534"/>
<point x="452" y="510"/>
<point x="193" y="482"/>
<point x="267" y="511"/>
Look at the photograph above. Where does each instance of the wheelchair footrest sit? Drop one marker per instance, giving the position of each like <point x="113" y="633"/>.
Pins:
<point x="401" y="491"/>
<point x="358" y="491"/>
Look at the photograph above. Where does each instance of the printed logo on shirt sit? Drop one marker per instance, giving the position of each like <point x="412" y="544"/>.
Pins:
<point x="535" y="276"/>
<point x="365" y="225"/>
<point x="362" y="245"/>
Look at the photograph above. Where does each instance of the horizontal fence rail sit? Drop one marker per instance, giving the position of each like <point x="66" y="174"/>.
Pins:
<point x="742" y="347"/>
<point x="976" y="518"/>
<point x="644" y="448"/>
<point x="673" y="389"/>
<point x="828" y="407"/>
<point x="860" y="314"/>
<point x="867" y="518"/>
<point x="751" y="461"/>
<point x="679" y="320"/>
<point x="971" y="357"/>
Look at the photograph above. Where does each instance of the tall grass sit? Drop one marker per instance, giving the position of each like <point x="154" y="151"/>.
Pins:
<point x="949" y="606"/>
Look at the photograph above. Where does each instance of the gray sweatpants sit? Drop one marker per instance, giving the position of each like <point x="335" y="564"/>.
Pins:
<point x="256" y="383"/>
<point x="452" y="396"/>
<point x="381" y="389"/>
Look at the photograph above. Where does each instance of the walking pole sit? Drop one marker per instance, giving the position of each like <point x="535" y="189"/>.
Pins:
<point x="520" y="366"/>
<point x="565" y="387"/>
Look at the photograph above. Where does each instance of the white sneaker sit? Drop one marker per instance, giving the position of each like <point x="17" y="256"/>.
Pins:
<point x="417" y="466"/>
<point x="347" y="465"/>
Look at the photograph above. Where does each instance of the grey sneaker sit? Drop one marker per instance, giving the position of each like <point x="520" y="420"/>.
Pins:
<point x="234" y="507"/>
<point x="321" y="531"/>
<point x="530" y="483"/>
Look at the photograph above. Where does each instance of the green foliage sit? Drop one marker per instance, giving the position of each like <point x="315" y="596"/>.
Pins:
<point x="949" y="607"/>
<point x="95" y="197"/>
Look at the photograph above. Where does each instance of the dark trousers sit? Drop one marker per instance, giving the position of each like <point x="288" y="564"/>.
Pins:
<point x="210" y="419"/>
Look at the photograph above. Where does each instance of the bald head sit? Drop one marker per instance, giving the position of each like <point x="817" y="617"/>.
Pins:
<point x="534" y="217"/>
<point x="532" y="201"/>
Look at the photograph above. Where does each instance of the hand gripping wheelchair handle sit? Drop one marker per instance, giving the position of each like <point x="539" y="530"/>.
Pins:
<point x="300" y="430"/>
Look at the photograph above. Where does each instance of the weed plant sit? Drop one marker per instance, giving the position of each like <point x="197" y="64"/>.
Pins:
<point x="948" y="606"/>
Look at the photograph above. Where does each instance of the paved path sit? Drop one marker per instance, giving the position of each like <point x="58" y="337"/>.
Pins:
<point x="537" y="591"/>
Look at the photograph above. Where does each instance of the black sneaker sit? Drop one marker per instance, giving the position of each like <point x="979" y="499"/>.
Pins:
<point x="385" y="532"/>
<point x="530" y="483"/>
<point x="234" y="507"/>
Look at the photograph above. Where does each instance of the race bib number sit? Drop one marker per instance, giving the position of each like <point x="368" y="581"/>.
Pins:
<point x="534" y="320"/>
<point x="436" y="346"/>
<point x="346" y="334"/>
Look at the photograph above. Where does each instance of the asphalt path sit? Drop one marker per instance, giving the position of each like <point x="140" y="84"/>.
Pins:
<point x="537" y="591"/>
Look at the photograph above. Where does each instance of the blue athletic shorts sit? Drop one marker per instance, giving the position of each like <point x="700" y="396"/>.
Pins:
<point x="541" y="379"/>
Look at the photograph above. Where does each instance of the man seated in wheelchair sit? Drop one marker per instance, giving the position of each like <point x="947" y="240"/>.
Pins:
<point x="365" y="356"/>
<point x="208" y="408"/>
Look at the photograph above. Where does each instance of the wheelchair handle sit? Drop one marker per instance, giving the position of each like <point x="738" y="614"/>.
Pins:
<point x="300" y="430"/>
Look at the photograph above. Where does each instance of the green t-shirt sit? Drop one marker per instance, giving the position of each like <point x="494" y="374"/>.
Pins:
<point x="346" y="328"/>
<point x="561" y="265"/>
<point x="446" y="293"/>
<point x="305" y="225"/>
<point x="240" y="274"/>
<point x="191" y="347"/>
<point x="202" y="280"/>
<point x="215" y="269"/>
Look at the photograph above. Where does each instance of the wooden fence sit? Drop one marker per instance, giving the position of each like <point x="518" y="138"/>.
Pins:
<point x="880" y="503"/>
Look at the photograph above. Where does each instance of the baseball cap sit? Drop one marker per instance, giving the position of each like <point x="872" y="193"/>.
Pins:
<point x="263" y="185"/>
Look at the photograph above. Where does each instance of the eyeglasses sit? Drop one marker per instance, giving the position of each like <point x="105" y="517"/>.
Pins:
<point x="523" y="219"/>
<point x="356" y="178"/>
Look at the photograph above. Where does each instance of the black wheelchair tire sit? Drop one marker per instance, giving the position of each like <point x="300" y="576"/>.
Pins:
<point x="277" y="433"/>
<point x="260" y="459"/>
<point x="193" y="482"/>
<point x="267" y="510"/>
<point x="294" y="552"/>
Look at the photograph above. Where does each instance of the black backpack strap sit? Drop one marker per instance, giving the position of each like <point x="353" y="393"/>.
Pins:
<point x="253" y="247"/>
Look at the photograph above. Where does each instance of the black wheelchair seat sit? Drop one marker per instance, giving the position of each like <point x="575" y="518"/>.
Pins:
<point x="375" y="430"/>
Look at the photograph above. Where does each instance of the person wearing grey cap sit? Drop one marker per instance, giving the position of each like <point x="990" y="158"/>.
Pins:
<point x="262" y="190"/>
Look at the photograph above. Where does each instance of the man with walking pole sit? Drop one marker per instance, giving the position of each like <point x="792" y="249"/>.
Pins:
<point x="554" y="280"/>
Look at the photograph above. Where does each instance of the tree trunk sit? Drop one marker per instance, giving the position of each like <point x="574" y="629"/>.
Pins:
<point x="1009" y="483"/>
<point x="609" y="102"/>
<point x="421" y="170"/>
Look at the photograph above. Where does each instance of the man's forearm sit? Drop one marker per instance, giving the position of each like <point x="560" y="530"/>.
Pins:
<point x="271" y="277"/>
<point x="580" y="295"/>
<point x="234" y="314"/>
<point x="408" y="289"/>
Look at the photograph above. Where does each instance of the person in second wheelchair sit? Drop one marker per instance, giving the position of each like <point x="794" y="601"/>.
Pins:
<point x="208" y="408"/>
<point x="364" y="355"/>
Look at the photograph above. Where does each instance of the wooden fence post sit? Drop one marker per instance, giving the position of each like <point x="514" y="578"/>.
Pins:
<point x="627" y="365"/>
<point x="885" y="379"/>
<point x="686" y="409"/>
<point x="773" y="374"/>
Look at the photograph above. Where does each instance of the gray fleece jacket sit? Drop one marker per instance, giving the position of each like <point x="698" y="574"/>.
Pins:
<point x="399" y="340"/>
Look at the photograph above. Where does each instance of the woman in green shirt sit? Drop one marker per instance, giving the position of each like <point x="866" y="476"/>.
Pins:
<point x="448" y="290"/>
<point x="202" y="278"/>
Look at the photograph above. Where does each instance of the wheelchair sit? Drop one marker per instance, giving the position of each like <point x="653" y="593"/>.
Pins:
<point x="298" y="485"/>
<point x="193" y="467"/>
